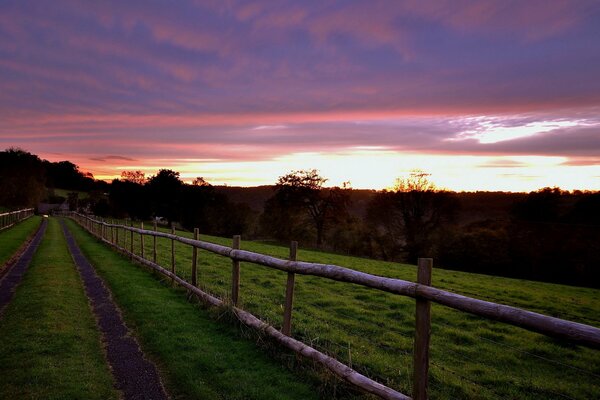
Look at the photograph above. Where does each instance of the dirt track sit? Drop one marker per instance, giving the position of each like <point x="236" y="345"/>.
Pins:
<point x="135" y="376"/>
<point x="14" y="274"/>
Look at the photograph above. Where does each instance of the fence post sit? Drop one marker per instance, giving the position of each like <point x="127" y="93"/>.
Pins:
<point x="194" y="260"/>
<point x="142" y="240"/>
<point x="422" y="334"/>
<point x="124" y="235"/>
<point x="289" y="293"/>
<point x="154" y="243"/>
<point x="131" y="239"/>
<point x="172" y="252"/>
<point x="116" y="234"/>
<point x="235" y="273"/>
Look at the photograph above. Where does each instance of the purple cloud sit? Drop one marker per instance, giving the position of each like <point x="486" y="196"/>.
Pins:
<point x="244" y="80"/>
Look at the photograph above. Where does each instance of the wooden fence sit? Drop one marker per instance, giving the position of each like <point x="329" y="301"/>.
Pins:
<point x="11" y="218"/>
<point x="422" y="291"/>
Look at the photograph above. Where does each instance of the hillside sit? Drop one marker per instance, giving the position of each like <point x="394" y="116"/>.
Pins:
<point x="472" y="358"/>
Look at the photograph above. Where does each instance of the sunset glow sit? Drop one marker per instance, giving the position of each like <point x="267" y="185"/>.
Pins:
<point x="482" y="95"/>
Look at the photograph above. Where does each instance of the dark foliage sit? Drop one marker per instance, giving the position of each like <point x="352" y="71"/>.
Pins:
<point x="549" y="234"/>
<point x="301" y="204"/>
<point x="406" y="222"/>
<point x="66" y="175"/>
<point x="22" y="179"/>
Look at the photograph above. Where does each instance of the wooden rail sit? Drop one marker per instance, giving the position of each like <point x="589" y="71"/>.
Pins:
<point x="574" y="332"/>
<point x="11" y="218"/>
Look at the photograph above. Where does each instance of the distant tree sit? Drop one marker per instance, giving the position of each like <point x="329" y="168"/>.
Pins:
<point x="383" y="223"/>
<point x="165" y="189"/>
<point x="417" y="181"/>
<point x="73" y="200"/>
<point x="134" y="176"/>
<point x="409" y="216"/>
<point x="200" y="181"/>
<point x="540" y="206"/>
<point x="66" y="175"/>
<point x="22" y="178"/>
<point x="303" y="190"/>
<point x="129" y="199"/>
<point x="586" y="210"/>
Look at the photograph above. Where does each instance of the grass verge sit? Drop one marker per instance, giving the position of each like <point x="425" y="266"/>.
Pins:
<point x="198" y="356"/>
<point x="50" y="347"/>
<point x="12" y="238"/>
<point x="471" y="357"/>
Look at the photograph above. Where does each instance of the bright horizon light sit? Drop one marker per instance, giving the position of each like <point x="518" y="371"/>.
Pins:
<point x="378" y="169"/>
<point x="244" y="93"/>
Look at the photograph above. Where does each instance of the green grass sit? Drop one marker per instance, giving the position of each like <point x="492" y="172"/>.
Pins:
<point x="12" y="238"/>
<point x="50" y="347"/>
<point x="471" y="357"/>
<point x="65" y="193"/>
<point x="198" y="356"/>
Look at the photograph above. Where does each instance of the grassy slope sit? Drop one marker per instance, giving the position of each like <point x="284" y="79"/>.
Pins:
<point x="472" y="357"/>
<point x="65" y="193"/>
<point x="50" y="346"/>
<point x="12" y="238"/>
<point x="200" y="357"/>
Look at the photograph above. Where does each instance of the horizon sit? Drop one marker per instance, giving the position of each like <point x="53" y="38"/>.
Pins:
<point x="484" y="96"/>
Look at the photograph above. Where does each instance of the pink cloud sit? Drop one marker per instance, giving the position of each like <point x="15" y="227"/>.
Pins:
<point x="532" y="20"/>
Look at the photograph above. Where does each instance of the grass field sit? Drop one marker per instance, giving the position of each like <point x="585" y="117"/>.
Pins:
<point x="12" y="238"/>
<point x="65" y="193"/>
<point x="198" y="356"/>
<point x="471" y="357"/>
<point x="50" y="348"/>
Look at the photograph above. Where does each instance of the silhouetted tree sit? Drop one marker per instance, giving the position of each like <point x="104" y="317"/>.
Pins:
<point x="539" y="206"/>
<point x="22" y="178"/>
<point x="200" y="181"/>
<point x="134" y="176"/>
<point x="66" y="175"/>
<point x="73" y="200"/>
<point x="129" y="199"/>
<point x="586" y="210"/>
<point x="164" y="189"/>
<point x="407" y="218"/>
<point x="303" y="190"/>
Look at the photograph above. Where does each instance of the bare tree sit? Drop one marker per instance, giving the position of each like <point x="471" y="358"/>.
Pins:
<point x="303" y="190"/>
<point x="406" y="219"/>
<point x="134" y="176"/>
<point x="421" y="208"/>
<point x="200" y="181"/>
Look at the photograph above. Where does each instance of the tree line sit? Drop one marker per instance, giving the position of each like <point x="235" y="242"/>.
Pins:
<point x="549" y="234"/>
<point x="25" y="179"/>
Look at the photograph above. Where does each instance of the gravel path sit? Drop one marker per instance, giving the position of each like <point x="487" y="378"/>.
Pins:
<point x="135" y="376"/>
<point x="12" y="277"/>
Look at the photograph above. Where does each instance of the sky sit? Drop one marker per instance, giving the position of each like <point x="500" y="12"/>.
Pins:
<point x="483" y="95"/>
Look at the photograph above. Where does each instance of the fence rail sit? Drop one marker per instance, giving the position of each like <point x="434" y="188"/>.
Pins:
<point x="11" y="218"/>
<point x="573" y="332"/>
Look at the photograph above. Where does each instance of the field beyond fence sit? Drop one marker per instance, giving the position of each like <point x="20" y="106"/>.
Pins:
<point x="122" y="237"/>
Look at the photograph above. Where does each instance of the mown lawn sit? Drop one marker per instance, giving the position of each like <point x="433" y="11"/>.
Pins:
<point x="199" y="357"/>
<point x="49" y="345"/>
<point x="12" y="238"/>
<point x="471" y="357"/>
